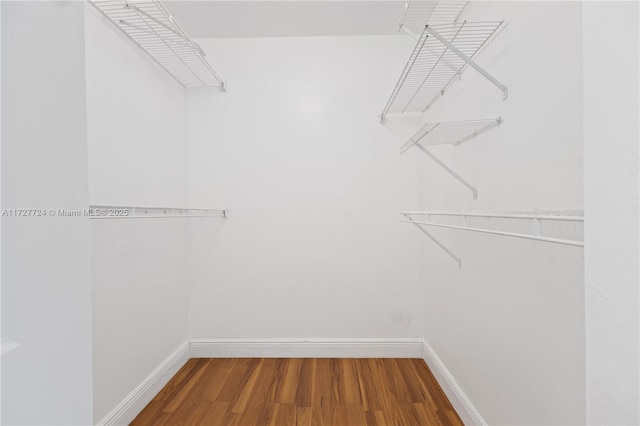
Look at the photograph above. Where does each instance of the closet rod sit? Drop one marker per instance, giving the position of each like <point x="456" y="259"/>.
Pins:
<point x="499" y="215"/>
<point x="502" y="233"/>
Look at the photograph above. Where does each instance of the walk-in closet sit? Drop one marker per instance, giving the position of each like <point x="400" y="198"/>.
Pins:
<point x="320" y="212"/>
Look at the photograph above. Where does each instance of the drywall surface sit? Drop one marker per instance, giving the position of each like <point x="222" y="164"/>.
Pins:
<point x="509" y="325"/>
<point x="610" y="31"/>
<point x="1" y="344"/>
<point x="136" y="129"/>
<point x="313" y="246"/>
<point x="46" y="265"/>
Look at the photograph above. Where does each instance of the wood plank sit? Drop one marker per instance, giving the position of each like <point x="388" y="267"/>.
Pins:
<point x="345" y="386"/>
<point x="247" y="389"/>
<point x="216" y="413"/>
<point x="287" y="386"/>
<point x="150" y="414"/>
<point x="306" y="383"/>
<point x="416" y="390"/>
<point x="304" y="416"/>
<point x="378" y="387"/>
<point x="240" y="373"/>
<point x="449" y="418"/>
<point x="321" y="400"/>
<point x="432" y="389"/>
<point x="348" y="415"/>
<point x="284" y="415"/>
<point x="217" y="374"/>
<point x="179" y="397"/>
<point x="177" y="382"/>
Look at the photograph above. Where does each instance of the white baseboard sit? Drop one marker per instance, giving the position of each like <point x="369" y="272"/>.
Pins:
<point x="134" y="403"/>
<point x="463" y="406"/>
<point x="306" y="348"/>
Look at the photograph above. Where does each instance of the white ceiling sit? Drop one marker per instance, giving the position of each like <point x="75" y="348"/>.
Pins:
<point x="268" y="18"/>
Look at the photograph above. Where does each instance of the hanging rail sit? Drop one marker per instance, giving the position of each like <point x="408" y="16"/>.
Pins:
<point x="536" y="219"/>
<point x="441" y="54"/>
<point x="449" y="133"/>
<point x="150" y="25"/>
<point x="130" y="212"/>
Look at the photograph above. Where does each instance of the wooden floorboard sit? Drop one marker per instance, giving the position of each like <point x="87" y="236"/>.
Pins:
<point x="301" y="392"/>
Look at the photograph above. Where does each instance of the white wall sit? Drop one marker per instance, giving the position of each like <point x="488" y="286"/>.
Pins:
<point x="137" y="148"/>
<point x="509" y="325"/>
<point x="46" y="280"/>
<point x="0" y="208"/>
<point x="611" y="71"/>
<point x="313" y="246"/>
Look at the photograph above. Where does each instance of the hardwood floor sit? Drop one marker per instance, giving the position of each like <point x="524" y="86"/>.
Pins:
<point x="300" y="392"/>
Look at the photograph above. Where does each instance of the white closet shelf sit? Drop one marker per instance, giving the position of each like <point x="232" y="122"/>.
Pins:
<point x="449" y="133"/>
<point x="441" y="54"/>
<point x="131" y="212"/>
<point x="150" y="25"/>
<point x="536" y="219"/>
<point x="417" y="13"/>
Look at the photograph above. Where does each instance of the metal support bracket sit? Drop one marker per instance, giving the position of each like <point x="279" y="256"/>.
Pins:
<point x="469" y="61"/>
<point x="435" y="240"/>
<point x="471" y="188"/>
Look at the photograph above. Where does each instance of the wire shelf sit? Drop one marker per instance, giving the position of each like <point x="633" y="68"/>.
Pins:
<point x="449" y="132"/>
<point x="441" y="54"/>
<point x="150" y="25"/>
<point x="130" y="212"/>
<point x="417" y="13"/>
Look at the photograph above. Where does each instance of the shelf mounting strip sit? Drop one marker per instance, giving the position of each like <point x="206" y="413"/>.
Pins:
<point x="536" y="218"/>
<point x="441" y="54"/>
<point x="131" y="212"/>
<point x="449" y="133"/>
<point x="150" y="25"/>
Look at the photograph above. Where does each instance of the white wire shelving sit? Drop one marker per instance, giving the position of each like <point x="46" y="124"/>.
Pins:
<point x="442" y="53"/>
<point x="131" y="212"/>
<point x="417" y="13"/>
<point x="536" y="229"/>
<point x="449" y="133"/>
<point x="150" y="25"/>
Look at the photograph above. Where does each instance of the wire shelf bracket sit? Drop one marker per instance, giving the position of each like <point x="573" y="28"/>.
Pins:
<point x="149" y="24"/>
<point x="441" y="54"/>
<point x="435" y="240"/>
<point x="469" y="61"/>
<point x="449" y="170"/>
<point x="536" y="219"/>
<point x="449" y="133"/>
<point x="131" y="212"/>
